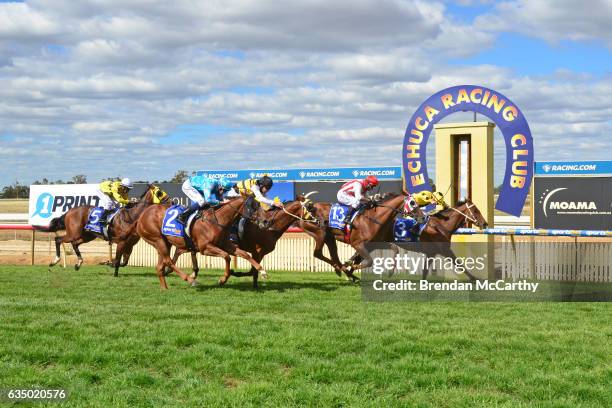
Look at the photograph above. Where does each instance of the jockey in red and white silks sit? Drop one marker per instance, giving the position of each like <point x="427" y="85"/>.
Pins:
<point x="352" y="192"/>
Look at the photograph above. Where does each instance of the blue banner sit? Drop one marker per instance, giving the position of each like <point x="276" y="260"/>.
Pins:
<point x="502" y="111"/>
<point x="551" y="168"/>
<point x="283" y="190"/>
<point x="339" y="173"/>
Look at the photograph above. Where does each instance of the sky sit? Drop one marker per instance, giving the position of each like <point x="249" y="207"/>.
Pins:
<point x="143" y="88"/>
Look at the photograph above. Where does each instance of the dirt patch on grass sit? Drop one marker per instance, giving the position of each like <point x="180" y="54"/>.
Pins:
<point x="231" y="382"/>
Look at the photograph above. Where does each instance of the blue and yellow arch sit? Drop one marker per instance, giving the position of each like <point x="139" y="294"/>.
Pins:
<point x="502" y="111"/>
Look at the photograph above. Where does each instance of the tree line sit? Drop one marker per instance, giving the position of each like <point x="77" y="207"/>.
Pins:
<point x="18" y="190"/>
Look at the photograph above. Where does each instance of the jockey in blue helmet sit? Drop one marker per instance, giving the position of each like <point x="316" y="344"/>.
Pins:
<point x="203" y="192"/>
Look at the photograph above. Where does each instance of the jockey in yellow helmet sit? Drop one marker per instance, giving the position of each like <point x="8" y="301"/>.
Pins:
<point x="425" y="198"/>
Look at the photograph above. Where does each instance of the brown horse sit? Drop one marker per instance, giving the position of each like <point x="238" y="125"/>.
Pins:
<point x="440" y="229"/>
<point x="261" y="241"/>
<point x="371" y="225"/>
<point x="122" y="228"/>
<point x="210" y="236"/>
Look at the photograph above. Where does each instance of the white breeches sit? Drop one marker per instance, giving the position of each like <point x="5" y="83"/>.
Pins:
<point x="193" y="194"/>
<point x="347" y="199"/>
<point x="106" y="202"/>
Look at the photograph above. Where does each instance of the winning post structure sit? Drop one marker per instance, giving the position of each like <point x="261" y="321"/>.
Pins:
<point x="464" y="168"/>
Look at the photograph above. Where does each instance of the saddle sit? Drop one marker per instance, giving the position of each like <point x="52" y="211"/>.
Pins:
<point x="94" y="225"/>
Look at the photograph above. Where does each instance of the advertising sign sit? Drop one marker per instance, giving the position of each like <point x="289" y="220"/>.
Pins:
<point x="573" y="203"/>
<point x="338" y="173"/>
<point x="52" y="200"/>
<point x="551" y="168"/>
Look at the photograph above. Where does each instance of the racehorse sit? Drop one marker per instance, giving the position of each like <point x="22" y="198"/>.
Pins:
<point x="210" y="236"/>
<point x="261" y="241"/>
<point x="122" y="230"/>
<point x="371" y="225"/>
<point x="439" y="230"/>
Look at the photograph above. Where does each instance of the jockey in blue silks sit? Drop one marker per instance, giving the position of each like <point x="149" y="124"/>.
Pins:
<point x="203" y="192"/>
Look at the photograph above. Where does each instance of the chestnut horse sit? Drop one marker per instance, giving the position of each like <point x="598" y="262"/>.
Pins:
<point x="210" y="236"/>
<point x="440" y="229"/>
<point x="261" y="241"/>
<point x="371" y="225"/>
<point x="122" y="228"/>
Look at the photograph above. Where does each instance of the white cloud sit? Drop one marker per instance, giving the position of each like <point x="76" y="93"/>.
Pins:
<point x="554" y="20"/>
<point x="107" y="87"/>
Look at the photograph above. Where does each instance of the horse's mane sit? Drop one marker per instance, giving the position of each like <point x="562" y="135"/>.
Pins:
<point x="459" y="203"/>
<point x="145" y="192"/>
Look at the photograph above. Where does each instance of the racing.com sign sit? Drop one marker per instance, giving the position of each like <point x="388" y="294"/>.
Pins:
<point x="339" y="173"/>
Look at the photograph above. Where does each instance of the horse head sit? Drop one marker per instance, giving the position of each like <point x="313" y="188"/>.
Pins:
<point x="471" y="213"/>
<point x="154" y="195"/>
<point x="307" y="205"/>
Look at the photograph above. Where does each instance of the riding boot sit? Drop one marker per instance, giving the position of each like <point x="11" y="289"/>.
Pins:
<point x="104" y="217"/>
<point x="187" y="213"/>
<point x="352" y="213"/>
<point x="241" y="225"/>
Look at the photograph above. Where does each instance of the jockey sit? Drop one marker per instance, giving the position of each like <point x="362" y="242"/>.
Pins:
<point x="255" y="191"/>
<point x="351" y="193"/>
<point x="203" y="192"/>
<point x="112" y="195"/>
<point x="425" y="198"/>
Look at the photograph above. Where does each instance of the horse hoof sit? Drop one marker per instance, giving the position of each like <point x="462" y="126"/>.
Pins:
<point x="221" y="282"/>
<point x="194" y="283"/>
<point x="263" y="274"/>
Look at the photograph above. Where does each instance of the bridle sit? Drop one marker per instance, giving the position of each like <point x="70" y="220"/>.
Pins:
<point x="471" y="217"/>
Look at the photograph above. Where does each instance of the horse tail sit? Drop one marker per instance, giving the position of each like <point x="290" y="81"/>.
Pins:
<point x="56" y="224"/>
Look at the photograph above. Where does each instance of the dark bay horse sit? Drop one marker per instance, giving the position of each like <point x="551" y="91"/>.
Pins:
<point x="371" y="225"/>
<point x="261" y="241"/>
<point x="123" y="228"/>
<point x="210" y="235"/>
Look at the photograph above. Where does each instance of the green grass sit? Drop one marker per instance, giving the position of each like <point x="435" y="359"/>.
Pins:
<point x="304" y="339"/>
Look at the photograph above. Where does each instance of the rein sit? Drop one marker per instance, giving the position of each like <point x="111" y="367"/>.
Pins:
<point x="470" y="217"/>
<point x="215" y="219"/>
<point x="300" y="218"/>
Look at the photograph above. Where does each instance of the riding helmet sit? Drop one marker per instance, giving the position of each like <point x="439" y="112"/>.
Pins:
<point x="266" y="182"/>
<point x="371" y="180"/>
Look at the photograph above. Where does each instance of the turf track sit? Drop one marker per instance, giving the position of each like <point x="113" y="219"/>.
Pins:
<point x="304" y="339"/>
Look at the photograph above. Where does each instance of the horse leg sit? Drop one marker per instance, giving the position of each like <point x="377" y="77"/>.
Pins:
<point x="163" y="248"/>
<point x="318" y="253"/>
<point x="257" y="257"/>
<point x="160" y="272"/>
<point x="119" y="253"/>
<point x="448" y="252"/>
<point x="194" y="265"/>
<point x="175" y="257"/>
<point x="366" y="263"/>
<point x="258" y="268"/>
<point x="58" y="243"/>
<point x="213" y="250"/>
<point x="75" y="247"/>
<point x="127" y="251"/>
